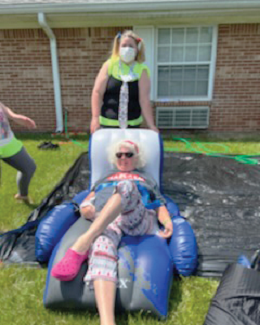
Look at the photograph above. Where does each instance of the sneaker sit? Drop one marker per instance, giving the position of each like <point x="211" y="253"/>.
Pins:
<point x="48" y="145"/>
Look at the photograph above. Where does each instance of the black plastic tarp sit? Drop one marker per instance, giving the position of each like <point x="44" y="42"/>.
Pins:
<point x="237" y="301"/>
<point x="220" y="197"/>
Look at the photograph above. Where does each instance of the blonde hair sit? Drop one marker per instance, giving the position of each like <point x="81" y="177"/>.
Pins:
<point x="138" y="41"/>
<point x="132" y="146"/>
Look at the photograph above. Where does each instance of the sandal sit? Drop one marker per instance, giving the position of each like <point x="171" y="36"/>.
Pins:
<point x="69" y="266"/>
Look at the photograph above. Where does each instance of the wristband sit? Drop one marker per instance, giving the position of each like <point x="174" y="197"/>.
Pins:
<point x="165" y="222"/>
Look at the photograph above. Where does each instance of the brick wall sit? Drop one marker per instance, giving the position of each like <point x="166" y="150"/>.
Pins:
<point x="81" y="54"/>
<point x="26" y="77"/>
<point x="236" y="101"/>
<point x="27" y="86"/>
<point x="26" y="74"/>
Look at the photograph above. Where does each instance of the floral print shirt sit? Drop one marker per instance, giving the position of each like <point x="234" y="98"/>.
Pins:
<point x="5" y="130"/>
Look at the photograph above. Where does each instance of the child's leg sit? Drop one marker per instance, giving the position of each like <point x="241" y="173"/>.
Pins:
<point x="26" y="168"/>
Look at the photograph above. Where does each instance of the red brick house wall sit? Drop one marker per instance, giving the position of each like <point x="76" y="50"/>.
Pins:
<point x="27" y="86"/>
<point x="81" y="54"/>
<point x="26" y="76"/>
<point x="236" y="100"/>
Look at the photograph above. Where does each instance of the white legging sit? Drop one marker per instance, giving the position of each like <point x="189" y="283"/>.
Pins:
<point x="26" y="167"/>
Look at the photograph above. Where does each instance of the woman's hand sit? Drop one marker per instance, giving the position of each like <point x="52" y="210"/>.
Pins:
<point x="154" y="128"/>
<point x="168" y="229"/>
<point x="94" y="125"/>
<point x="88" y="212"/>
<point x="166" y="221"/>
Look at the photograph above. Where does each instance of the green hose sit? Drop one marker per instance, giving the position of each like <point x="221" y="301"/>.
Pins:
<point x="67" y="134"/>
<point x="244" y="159"/>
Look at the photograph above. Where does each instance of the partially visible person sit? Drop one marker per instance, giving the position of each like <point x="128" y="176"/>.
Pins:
<point x="121" y="93"/>
<point x="126" y="201"/>
<point x="13" y="152"/>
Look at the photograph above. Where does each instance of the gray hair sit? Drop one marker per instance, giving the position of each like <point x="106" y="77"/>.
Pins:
<point x="133" y="147"/>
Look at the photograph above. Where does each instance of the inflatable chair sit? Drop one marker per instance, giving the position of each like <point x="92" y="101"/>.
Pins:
<point x="146" y="264"/>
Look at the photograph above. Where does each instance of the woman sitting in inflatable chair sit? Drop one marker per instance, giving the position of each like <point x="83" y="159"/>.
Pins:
<point x="127" y="201"/>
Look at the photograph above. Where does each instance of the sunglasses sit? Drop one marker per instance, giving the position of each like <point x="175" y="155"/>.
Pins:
<point x="126" y="154"/>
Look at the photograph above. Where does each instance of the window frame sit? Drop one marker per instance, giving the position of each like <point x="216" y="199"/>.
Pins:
<point x="212" y="66"/>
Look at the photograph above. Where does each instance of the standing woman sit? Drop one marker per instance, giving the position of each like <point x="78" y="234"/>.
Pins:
<point x="12" y="151"/>
<point x="121" y="94"/>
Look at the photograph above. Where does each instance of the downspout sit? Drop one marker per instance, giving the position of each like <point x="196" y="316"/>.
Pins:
<point x="55" y="71"/>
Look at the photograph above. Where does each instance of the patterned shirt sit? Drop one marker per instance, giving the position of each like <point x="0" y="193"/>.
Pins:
<point x="101" y="196"/>
<point x="6" y="133"/>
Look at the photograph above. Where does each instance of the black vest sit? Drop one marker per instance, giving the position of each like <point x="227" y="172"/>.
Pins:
<point x="110" y="105"/>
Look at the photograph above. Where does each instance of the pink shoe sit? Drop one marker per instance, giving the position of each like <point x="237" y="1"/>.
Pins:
<point x="69" y="266"/>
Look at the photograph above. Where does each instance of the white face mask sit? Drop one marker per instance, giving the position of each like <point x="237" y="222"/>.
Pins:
<point x="127" y="54"/>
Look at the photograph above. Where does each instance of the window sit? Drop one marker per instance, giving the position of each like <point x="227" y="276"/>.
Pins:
<point x="185" y="63"/>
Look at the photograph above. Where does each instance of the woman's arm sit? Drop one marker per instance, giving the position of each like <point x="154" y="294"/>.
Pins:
<point x="144" y="98"/>
<point x="97" y="96"/>
<point x="165" y="220"/>
<point x="18" y="118"/>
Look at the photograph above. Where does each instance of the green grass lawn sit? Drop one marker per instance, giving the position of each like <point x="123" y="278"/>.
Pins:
<point x="22" y="287"/>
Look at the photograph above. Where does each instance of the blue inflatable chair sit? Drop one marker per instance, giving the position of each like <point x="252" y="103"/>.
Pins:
<point x="146" y="264"/>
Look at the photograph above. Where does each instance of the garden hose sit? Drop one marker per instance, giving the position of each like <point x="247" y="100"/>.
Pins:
<point x="244" y="159"/>
<point x="67" y="134"/>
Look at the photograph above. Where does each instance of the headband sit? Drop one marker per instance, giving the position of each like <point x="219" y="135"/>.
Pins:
<point x="133" y="144"/>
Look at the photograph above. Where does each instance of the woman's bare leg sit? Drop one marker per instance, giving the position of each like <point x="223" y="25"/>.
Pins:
<point x="108" y="214"/>
<point x="105" y="294"/>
